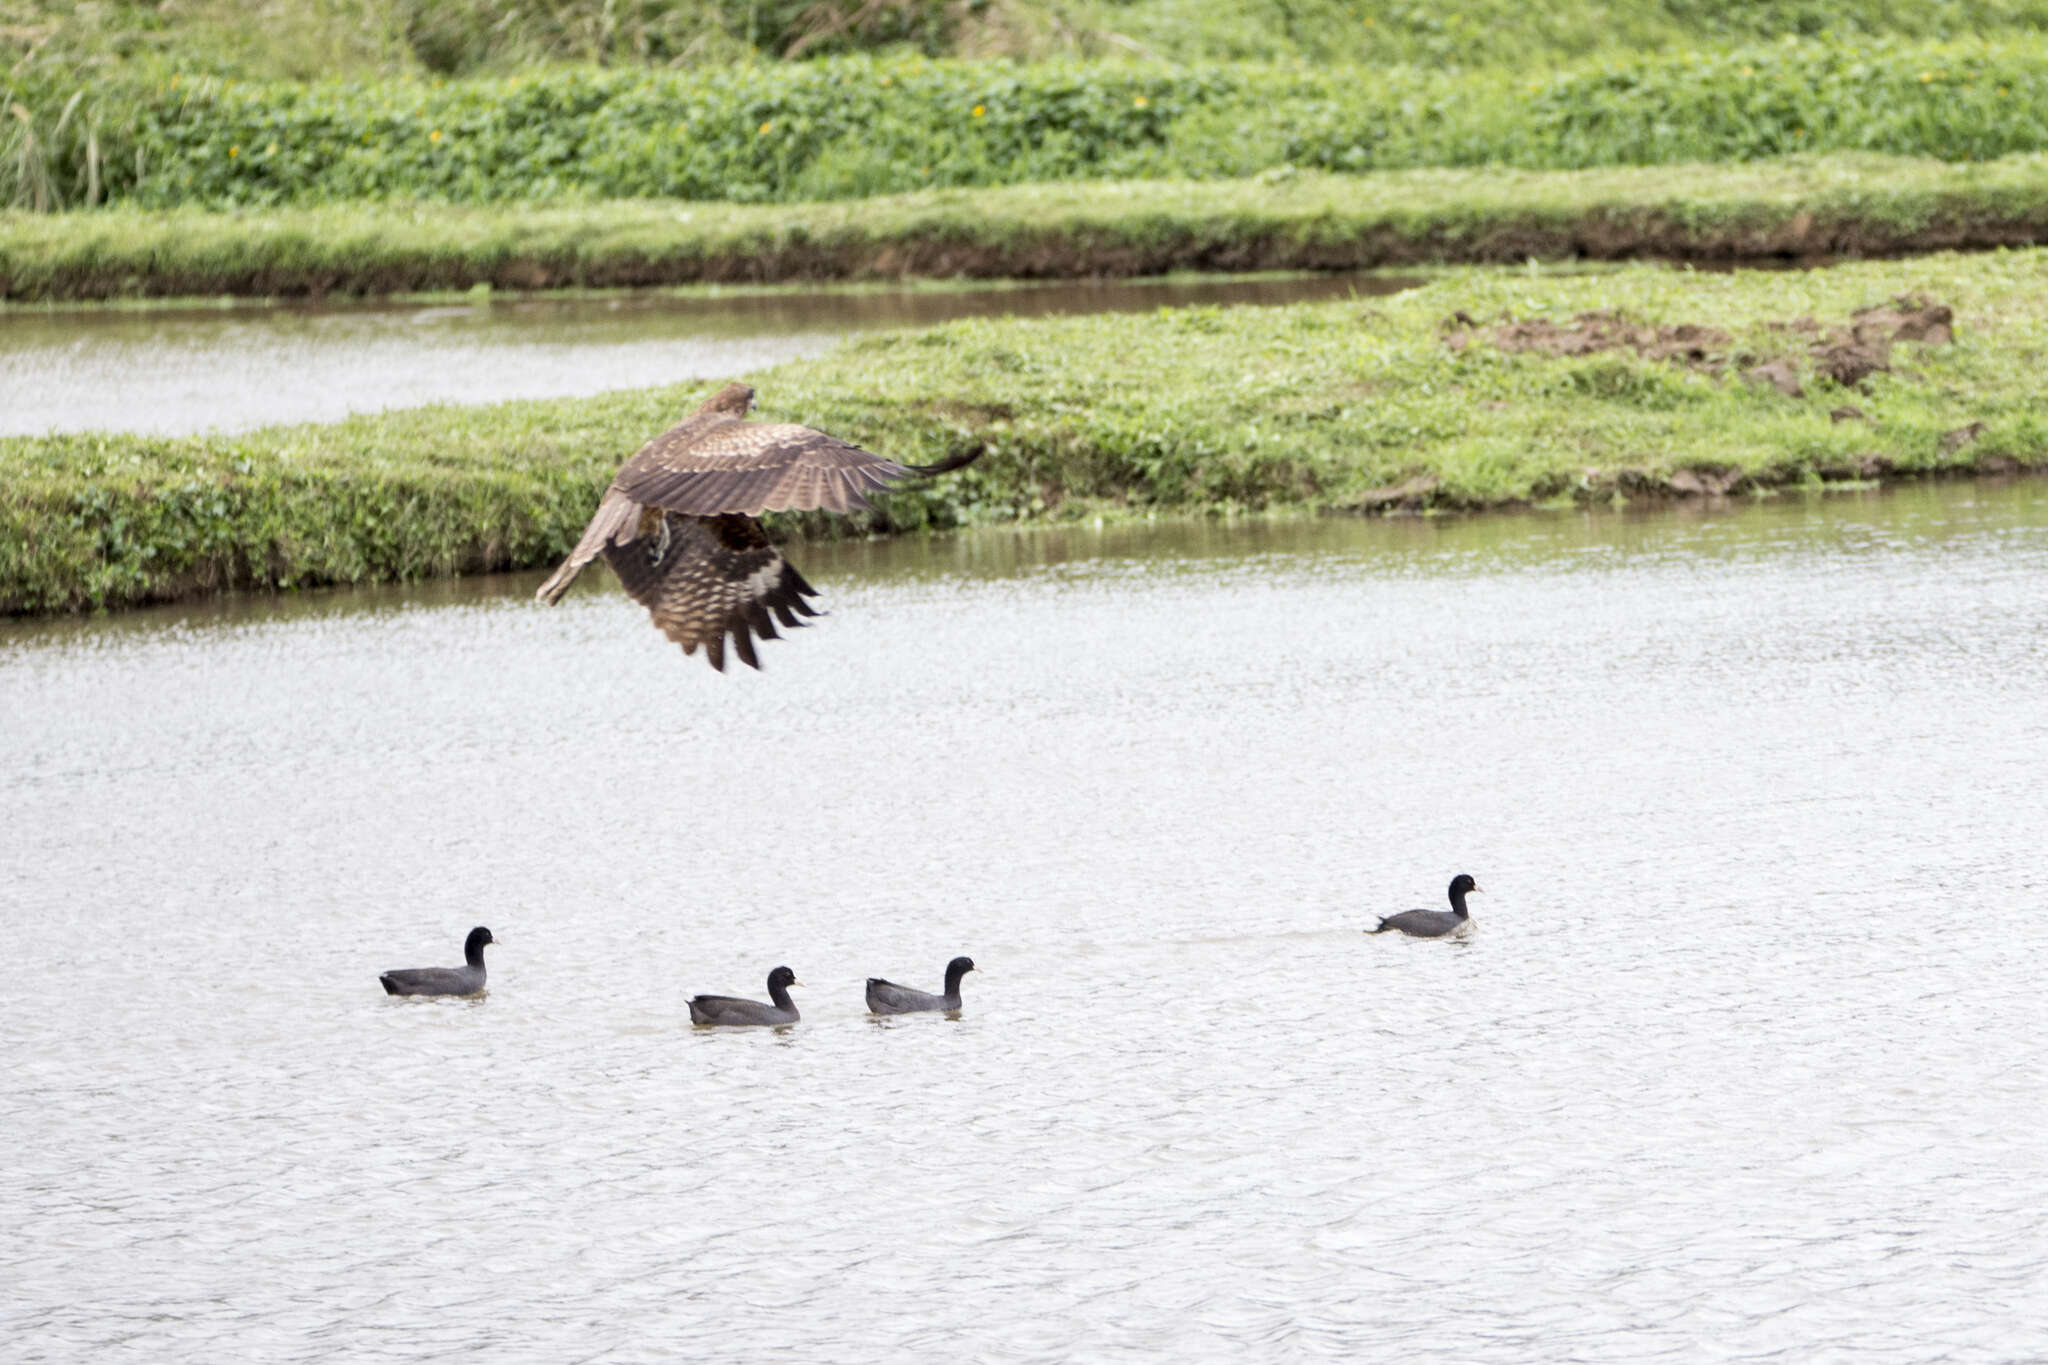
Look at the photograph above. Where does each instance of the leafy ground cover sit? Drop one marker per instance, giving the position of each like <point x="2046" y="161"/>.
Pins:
<point x="1794" y="207"/>
<point x="1641" y="383"/>
<point x="303" y="39"/>
<point x="859" y="126"/>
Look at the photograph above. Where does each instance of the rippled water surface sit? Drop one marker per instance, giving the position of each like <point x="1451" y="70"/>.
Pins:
<point x="177" y="370"/>
<point x="1743" y="1061"/>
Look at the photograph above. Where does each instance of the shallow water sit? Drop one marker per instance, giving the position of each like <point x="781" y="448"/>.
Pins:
<point x="1740" y="1063"/>
<point x="172" y="371"/>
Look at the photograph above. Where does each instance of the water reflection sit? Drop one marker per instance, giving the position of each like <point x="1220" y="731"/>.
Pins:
<point x="173" y="371"/>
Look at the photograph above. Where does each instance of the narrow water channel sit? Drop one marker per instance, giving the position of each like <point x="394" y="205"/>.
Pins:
<point x="175" y="370"/>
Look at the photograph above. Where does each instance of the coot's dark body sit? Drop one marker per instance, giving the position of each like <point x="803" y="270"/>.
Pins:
<point x="886" y="997"/>
<point x="733" y="1009"/>
<point x="1434" y="923"/>
<point x="464" y="980"/>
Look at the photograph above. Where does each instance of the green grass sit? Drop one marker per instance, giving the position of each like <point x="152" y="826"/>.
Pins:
<point x="1511" y="33"/>
<point x="850" y="128"/>
<point x="310" y="38"/>
<point x="1184" y="411"/>
<point x="1798" y="205"/>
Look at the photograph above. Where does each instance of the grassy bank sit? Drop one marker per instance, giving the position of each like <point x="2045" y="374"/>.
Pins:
<point x="1796" y="206"/>
<point x="1484" y="389"/>
<point x="856" y="127"/>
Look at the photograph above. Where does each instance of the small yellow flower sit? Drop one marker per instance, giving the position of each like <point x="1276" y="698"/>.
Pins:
<point x="1925" y="77"/>
<point x="888" y="80"/>
<point x="271" y="150"/>
<point x="2001" y="90"/>
<point x="766" y="126"/>
<point x="234" y="151"/>
<point x="1749" y="71"/>
<point x="174" y="82"/>
<point x="980" y="109"/>
<point x="434" y="136"/>
<point x="1139" y="102"/>
<point x="1368" y="21"/>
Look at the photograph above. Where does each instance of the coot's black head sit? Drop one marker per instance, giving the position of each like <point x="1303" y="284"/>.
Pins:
<point x="1462" y="884"/>
<point x="959" y="967"/>
<point x="474" y="944"/>
<point x="783" y="977"/>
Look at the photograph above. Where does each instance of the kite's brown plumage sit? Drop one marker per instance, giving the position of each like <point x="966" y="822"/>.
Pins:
<point x="677" y="524"/>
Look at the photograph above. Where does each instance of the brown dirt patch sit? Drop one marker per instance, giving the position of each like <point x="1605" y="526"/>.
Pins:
<point x="1410" y="496"/>
<point x="1706" y="481"/>
<point x="1850" y="354"/>
<point x="1598" y="331"/>
<point x="1847" y="354"/>
<point x="1781" y="374"/>
<point x="1912" y="319"/>
<point x="1849" y="362"/>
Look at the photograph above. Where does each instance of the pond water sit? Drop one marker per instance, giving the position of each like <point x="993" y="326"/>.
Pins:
<point x="177" y="370"/>
<point x="1742" y="1061"/>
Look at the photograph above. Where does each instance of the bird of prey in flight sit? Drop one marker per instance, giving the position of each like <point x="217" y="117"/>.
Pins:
<point x="678" y="523"/>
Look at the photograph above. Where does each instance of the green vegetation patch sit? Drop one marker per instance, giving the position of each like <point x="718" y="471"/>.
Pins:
<point x="1797" y="206"/>
<point x="1413" y="401"/>
<point x="310" y="38"/>
<point x="857" y="126"/>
